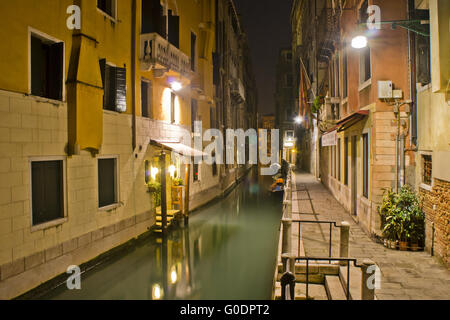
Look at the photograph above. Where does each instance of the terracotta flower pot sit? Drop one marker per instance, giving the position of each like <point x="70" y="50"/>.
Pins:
<point x="414" y="246"/>
<point x="403" y="245"/>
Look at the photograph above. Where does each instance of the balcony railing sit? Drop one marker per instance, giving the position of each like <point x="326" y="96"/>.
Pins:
<point x="157" y="53"/>
<point x="237" y="90"/>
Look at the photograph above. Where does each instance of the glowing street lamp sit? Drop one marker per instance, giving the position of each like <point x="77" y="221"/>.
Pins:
<point x="298" y="119"/>
<point x="359" y="42"/>
<point x="176" y="86"/>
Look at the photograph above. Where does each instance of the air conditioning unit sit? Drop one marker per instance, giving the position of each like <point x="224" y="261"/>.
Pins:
<point x="385" y="90"/>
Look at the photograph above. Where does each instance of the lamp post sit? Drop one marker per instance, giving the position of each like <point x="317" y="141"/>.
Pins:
<point x="162" y="166"/>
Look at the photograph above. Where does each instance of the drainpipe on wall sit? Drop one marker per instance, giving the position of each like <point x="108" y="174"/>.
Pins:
<point x="133" y="73"/>
<point x="397" y="138"/>
<point x="402" y="160"/>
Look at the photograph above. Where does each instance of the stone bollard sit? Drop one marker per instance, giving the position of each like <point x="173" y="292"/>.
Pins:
<point x="288" y="261"/>
<point x="286" y="246"/>
<point x="368" y="273"/>
<point x="288" y="212"/>
<point x="344" y="241"/>
<point x="287" y="281"/>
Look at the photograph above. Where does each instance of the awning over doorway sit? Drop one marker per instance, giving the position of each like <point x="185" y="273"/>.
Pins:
<point x="349" y="121"/>
<point x="179" y="148"/>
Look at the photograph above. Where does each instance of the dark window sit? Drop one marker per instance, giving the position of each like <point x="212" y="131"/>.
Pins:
<point x="153" y="18"/>
<point x="366" y="165"/>
<point x="146" y="99"/>
<point x="194" y="113"/>
<point x="363" y="14"/>
<point x="174" y="29"/>
<point x="214" y="165"/>
<point x="212" y="121"/>
<point x="47" y="191"/>
<point x="46" y="68"/>
<point x="427" y="169"/>
<point x="193" y="50"/>
<point x="365" y="70"/>
<point x="334" y="161"/>
<point x="147" y="170"/>
<point x="345" y="74"/>
<point x="346" y="161"/>
<point x="115" y="87"/>
<point x="289" y="80"/>
<point x="107" y="178"/>
<point x="195" y="169"/>
<point x="172" y="107"/>
<point x="107" y="6"/>
<point x="423" y="62"/>
<point x="339" y="159"/>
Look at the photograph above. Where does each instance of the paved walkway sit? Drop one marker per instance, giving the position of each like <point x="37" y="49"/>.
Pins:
<point x="405" y="275"/>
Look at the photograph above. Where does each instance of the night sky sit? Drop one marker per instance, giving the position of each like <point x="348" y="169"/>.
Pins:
<point x="267" y="24"/>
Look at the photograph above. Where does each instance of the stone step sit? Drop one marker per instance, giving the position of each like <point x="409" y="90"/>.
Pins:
<point x="355" y="281"/>
<point x="321" y="268"/>
<point x="334" y="289"/>
<point x="315" y="291"/>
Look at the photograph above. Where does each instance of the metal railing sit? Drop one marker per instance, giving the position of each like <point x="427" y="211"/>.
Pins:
<point x="330" y="223"/>
<point x="367" y="293"/>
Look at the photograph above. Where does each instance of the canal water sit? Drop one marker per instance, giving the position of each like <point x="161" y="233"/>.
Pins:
<point x="228" y="251"/>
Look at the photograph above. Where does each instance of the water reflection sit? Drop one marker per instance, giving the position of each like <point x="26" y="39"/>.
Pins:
<point x="228" y="251"/>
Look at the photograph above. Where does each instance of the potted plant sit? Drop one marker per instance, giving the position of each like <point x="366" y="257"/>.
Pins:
<point x="177" y="182"/>
<point x="154" y="188"/>
<point x="402" y="218"/>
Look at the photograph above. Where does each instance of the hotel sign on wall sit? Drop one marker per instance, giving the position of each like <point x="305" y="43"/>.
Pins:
<point x="329" y="139"/>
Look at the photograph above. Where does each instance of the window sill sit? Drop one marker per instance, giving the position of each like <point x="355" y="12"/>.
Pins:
<point x="111" y="112"/>
<point x="364" y="85"/>
<point x="426" y="187"/>
<point x="39" y="99"/>
<point x="114" y="20"/>
<point x="48" y="225"/>
<point x="110" y="207"/>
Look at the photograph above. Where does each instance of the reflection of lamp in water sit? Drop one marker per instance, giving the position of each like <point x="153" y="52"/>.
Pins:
<point x="172" y="170"/>
<point x="156" y="292"/>
<point x="154" y="171"/>
<point x="173" y="275"/>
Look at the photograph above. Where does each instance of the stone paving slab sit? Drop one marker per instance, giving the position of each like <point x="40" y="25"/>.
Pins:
<point x="405" y="275"/>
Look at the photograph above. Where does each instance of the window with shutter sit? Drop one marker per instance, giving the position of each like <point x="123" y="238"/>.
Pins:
<point x="47" y="191"/>
<point x="121" y="89"/>
<point x="114" y="86"/>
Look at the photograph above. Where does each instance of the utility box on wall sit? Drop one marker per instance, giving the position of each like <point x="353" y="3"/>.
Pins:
<point x="384" y="89"/>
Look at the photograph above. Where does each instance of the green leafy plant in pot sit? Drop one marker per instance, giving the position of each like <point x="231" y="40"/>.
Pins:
<point x="177" y="181"/>
<point x="154" y="188"/>
<point x="402" y="218"/>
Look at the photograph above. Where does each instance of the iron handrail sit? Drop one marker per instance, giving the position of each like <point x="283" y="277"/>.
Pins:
<point x="308" y="259"/>
<point x="331" y="223"/>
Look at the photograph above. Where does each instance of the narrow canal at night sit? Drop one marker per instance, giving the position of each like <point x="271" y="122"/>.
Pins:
<point x="228" y="251"/>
